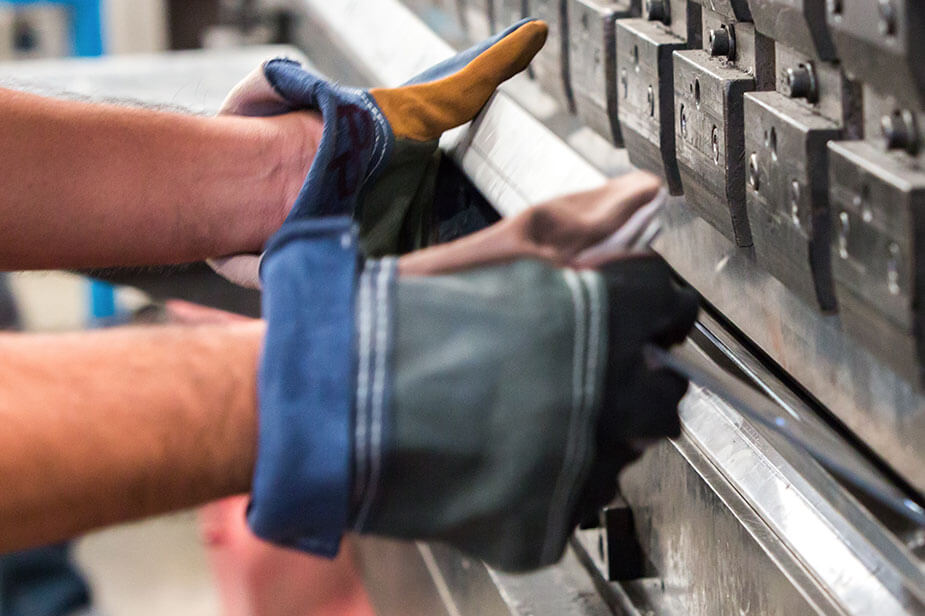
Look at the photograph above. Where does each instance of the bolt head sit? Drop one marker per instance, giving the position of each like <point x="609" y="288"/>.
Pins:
<point x="900" y="132"/>
<point x="719" y="42"/>
<point x="656" y="10"/>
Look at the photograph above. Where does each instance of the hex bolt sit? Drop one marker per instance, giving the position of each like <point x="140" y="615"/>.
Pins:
<point x="800" y="82"/>
<point x="899" y="131"/>
<point x="887" y="18"/>
<point x="720" y="42"/>
<point x="657" y="10"/>
<point x="753" y="171"/>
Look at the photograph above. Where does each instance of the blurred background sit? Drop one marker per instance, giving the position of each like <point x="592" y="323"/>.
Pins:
<point x="111" y="49"/>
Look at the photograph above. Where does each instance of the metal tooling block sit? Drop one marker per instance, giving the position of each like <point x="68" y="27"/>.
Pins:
<point x="737" y="10"/>
<point x="551" y="66"/>
<point x="477" y="17"/>
<point x="881" y="43"/>
<point x="646" y="96"/>
<point x="593" y="57"/>
<point x="709" y="103"/>
<point x="788" y="193"/>
<point x="508" y="12"/>
<point x="796" y="23"/>
<point x="878" y="226"/>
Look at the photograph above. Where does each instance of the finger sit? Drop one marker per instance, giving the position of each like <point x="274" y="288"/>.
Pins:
<point x="187" y="313"/>
<point x="621" y="241"/>
<point x="678" y="321"/>
<point x="643" y="406"/>
<point x="423" y="111"/>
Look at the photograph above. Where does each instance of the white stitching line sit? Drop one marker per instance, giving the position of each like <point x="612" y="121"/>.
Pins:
<point x="378" y="389"/>
<point x="556" y="506"/>
<point x="363" y="384"/>
<point x="594" y="292"/>
<point x="377" y="115"/>
<point x="585" y="428"/>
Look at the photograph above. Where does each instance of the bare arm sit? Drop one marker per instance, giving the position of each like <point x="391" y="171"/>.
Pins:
<point x="90" y="185"/>
<point x="109" y="426"/>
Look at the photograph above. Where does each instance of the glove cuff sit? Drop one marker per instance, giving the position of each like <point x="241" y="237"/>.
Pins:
<point x="496" y="379"/>
<point x="302" y="479"/>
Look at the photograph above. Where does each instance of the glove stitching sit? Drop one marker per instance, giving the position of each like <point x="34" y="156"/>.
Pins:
<point x="560" y="491"/>
<point x="383" y="317"/>
<point x="378" y="117"/>
<point x="363" y="390"/>
<point x="590" y="401"/>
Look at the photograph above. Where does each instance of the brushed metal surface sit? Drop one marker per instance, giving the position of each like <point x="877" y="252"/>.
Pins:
<point x="815" y="534"/>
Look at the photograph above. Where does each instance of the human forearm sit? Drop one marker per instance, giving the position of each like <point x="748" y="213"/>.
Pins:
<point x="98" y="428"/>
<point x="89" y="185"/>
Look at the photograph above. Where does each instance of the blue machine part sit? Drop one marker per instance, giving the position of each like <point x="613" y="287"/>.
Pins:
<point x="86" y="23"/>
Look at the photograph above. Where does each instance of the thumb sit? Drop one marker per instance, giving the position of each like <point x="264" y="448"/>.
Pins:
<point x="459" y="88"/>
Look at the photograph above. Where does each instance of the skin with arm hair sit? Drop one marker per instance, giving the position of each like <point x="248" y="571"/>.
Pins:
<point x="91" y="185"/>
<point x="108" y="426"/>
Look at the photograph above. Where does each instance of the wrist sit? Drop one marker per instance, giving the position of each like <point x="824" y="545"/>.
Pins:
<point x="263" y="170"/>
<point x="298" y="134"/>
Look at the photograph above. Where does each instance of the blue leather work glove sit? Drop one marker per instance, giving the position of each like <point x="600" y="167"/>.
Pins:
<point x="377" y="158"/>
<point x="487" y="409"/>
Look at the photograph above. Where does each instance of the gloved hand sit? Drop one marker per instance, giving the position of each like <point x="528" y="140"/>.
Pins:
<point x="487" y="408"/>
<point x="377" y="158"/>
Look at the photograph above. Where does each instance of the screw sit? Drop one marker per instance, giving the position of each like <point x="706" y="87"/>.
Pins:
<point x="683" y="115"/>
<point x="887" y="18"/>
<point x="720" y="42"/>
<point x="835" y="7"/>
<point x="900" y="132"/>
<point x="625" y="83"/>
<point x="800" y="82"/>
<point x="650" y="98"/>
<point x="753" y="171"/>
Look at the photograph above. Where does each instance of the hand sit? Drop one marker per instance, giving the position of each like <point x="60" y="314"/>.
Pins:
<point x="489" y="408"/>
<point x="557" y="231"/>
<point x="376" y="159"/>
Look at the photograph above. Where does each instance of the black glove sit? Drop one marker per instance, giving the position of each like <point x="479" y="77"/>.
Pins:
<point x="640" y="402"/>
